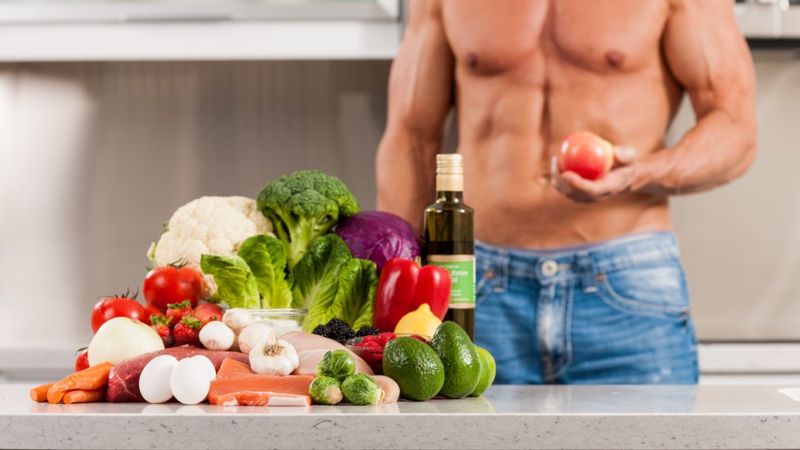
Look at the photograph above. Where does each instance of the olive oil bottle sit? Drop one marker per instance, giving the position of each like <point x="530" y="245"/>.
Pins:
<point x="450" y="239"/>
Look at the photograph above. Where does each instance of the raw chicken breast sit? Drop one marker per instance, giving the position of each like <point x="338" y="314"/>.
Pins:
<point x="391" y="391"/>
<point x="311" y="348"/>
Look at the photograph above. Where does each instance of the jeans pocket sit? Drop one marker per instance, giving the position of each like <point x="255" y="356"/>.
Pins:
<point x="655" y="291"/>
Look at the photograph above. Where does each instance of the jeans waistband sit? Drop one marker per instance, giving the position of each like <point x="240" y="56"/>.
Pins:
<point x="553" y="264"/>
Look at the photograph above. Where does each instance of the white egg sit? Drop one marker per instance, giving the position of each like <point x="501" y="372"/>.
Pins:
<point x="208" y="365"/>
<point x="190" y="381"/>
<point x="154" y="381"/>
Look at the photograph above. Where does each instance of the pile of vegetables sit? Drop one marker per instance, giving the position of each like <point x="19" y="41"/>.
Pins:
<point x="324" y="256"/>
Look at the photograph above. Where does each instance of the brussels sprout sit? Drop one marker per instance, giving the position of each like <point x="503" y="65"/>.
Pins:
<point x="325" y="391"/>
<point x="361" y="389"/>
<point x="337" y="364"/>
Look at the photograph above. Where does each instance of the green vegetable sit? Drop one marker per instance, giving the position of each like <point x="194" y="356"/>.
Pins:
<point x="361" y="389"/>
<point x="236" y="284"/>
<point x="303" y="206"/>
<point x="332" y="284"/>
<point x="415" y="367"/>
<point x="462" y="366"/>
<point x="266" y="257"/>
<point x="325" y="391"/>
<point x="338" y="364"/>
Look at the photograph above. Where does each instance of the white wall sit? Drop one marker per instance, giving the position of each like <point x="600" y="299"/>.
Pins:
<point x="94" y="157"/>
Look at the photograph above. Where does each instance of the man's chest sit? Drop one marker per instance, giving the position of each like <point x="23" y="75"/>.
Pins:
<point x="491" y="37"/>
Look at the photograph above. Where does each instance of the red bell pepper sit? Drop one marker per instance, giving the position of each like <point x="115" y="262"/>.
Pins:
<point x="404" y="286"/>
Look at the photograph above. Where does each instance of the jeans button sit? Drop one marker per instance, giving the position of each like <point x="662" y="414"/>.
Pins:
<point x="549" y="268"/>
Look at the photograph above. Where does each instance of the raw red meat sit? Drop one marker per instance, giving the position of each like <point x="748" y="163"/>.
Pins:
<point x="123" y="382"/>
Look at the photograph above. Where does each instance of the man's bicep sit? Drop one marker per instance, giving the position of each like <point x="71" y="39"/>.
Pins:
<point x="421" y="79"/>
<point x="708" y="56"/>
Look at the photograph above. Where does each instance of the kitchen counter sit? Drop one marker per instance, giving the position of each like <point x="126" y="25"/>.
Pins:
<point x="507" y="417"/>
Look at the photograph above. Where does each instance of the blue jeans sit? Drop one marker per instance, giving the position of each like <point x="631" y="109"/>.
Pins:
<point x="613" y="312"/>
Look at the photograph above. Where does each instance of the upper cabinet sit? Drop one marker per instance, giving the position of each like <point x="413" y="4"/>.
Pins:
<point x="153" y="30"/>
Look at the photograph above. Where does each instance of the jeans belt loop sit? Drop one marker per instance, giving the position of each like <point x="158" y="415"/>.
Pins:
<point x="587" y="272"/>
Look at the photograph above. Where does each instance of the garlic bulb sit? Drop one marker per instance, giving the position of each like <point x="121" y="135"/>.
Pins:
<point x="254" y="334"/>
<point x="237" y="319"/>
<point x="273" y="356"/>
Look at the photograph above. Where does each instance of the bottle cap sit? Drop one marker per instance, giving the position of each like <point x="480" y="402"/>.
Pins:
<point x="449" y="164"/>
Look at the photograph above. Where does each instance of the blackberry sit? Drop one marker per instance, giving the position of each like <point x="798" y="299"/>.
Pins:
<point x="367" y="331"/>
<point x="336" y="329"/>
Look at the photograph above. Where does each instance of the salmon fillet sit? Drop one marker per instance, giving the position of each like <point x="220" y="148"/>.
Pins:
<point x="235" y="381"/>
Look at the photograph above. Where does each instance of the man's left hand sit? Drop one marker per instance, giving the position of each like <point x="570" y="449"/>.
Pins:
<point x="615" y="182"/>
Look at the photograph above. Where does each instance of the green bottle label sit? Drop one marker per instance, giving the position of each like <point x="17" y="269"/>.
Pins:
<point x="462" y="277"/>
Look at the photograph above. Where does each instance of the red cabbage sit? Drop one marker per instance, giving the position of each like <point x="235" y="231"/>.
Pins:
<point x="379" y="236"/>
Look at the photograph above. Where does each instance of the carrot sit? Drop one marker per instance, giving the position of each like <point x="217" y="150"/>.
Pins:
<point x="94" y="377"/>
<point x="84" y="396"/>
<point x="39" y="393"/>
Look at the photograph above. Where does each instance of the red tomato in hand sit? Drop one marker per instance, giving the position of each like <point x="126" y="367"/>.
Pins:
<point x="109" y="307"/>
<point x="586" y="154"/>
<point x="169" y="284"/>
<point x="207" y="312"/>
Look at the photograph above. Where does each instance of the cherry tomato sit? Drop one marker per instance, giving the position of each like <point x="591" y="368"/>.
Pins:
<point x="109" y="307"/>
<point x="170" y="284"/>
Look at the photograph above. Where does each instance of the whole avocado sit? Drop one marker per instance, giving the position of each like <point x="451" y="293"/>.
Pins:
<point x="415" y="367"/>
<point x="462" y="366"/>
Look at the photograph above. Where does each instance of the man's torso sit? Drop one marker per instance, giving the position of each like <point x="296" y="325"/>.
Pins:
<point x="530" y="72"/>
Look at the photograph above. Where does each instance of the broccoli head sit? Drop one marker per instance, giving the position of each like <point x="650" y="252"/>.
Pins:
<point x="303" y="206"/>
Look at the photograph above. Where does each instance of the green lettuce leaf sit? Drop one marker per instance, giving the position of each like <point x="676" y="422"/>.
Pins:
<point x="266" y="257"/>
<point x="330" y="283"/>
<point x="357" y="283"/>
<point x="236" y="284"/>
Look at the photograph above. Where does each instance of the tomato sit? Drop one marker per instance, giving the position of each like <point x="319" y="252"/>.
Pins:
<point x="109" y="307"/>
<point x="82" y="361"/>
<point x="170" y="284"/>
<point x="586" y="154"/>
<point x="207" y="312"/>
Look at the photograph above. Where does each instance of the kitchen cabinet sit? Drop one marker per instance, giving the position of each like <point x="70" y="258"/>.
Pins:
<point x="173" y="30"/>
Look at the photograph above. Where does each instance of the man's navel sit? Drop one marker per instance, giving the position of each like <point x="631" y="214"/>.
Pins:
<point x="615" y="58"/>
<point x="472" y="59"/>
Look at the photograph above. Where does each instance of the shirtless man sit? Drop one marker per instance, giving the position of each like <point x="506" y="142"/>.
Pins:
<point x="578" y="281"/>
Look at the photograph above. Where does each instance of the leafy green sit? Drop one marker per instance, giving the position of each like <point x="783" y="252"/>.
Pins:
<point x="338" y="364"/>
<point x="330" y="283"/>
<point x="266" y="257"/>
<point x="303" y="206"/>
<point x="361" y="389"/>
<point x="357" y="283"/>
<point x="236" y="284"/>
<point x="325" y="391"/>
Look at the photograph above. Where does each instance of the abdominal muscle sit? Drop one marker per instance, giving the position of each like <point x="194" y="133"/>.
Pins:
<point x="508" y="134"/>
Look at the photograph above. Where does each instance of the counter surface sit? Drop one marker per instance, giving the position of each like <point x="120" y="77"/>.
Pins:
<point x="507" y="417"/>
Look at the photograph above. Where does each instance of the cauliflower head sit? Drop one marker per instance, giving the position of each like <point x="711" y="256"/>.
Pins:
<point x="212" y="225"/>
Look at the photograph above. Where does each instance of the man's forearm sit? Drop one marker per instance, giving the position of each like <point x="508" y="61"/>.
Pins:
<point x="717" y="150"/>
<point x="406" y="173"/>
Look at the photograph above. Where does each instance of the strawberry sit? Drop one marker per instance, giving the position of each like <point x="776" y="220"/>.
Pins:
<point x="176" y="311"/>
<point x="187" y="331"/>
<point x="160" y="323"/>
<point x="82" y="361"/>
